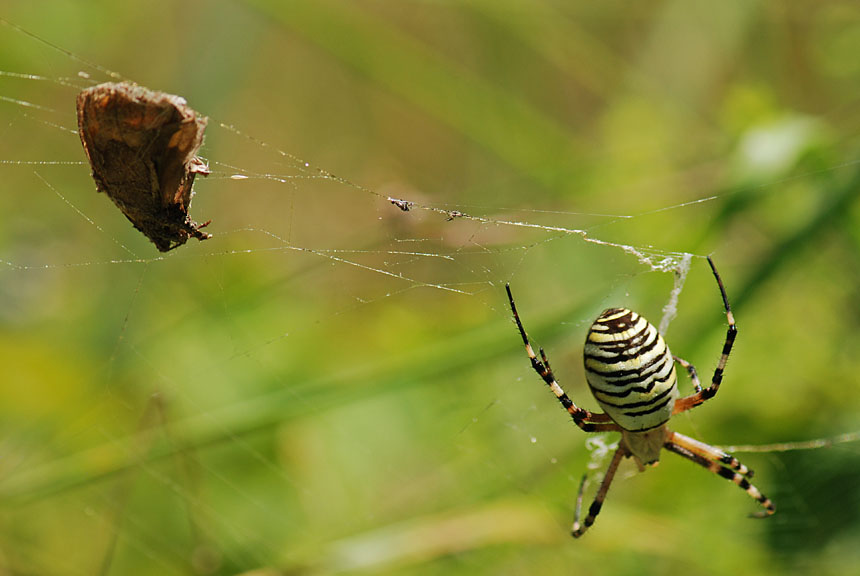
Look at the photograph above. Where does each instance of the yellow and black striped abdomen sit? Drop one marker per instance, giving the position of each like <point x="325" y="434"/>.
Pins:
<point x="630" y="370"/>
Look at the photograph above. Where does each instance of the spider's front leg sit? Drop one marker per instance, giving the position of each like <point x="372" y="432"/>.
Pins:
<point x="593" y="510"/>
<point x="721" y="464"/>
<point x="588" y="421"/>
<point x="701" y="395"/>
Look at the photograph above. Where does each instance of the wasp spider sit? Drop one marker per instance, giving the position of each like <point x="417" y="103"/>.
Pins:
<point x="632" y="375"/>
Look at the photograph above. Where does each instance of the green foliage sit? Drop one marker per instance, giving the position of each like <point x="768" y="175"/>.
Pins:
<point x="333" y="385"/>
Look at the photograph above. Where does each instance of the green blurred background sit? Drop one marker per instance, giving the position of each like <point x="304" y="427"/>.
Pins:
<point x="333" y="385"/>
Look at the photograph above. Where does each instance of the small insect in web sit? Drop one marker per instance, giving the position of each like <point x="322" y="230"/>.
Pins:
<point x="404" y="205"/>
<point x="631" y="374"/>
<point x="142" y="147"/>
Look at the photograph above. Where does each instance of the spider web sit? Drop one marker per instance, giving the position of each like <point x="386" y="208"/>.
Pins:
<point x="332" y="382"/>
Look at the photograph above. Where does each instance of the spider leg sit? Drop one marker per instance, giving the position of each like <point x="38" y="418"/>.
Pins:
<point x="720" y="464"/>
<point x="588" y="421"/>
<point x="684" y="404"/>
<point x="691" y="372"/>
<point x="593" y="510"/>
<point x="710" y="452"/>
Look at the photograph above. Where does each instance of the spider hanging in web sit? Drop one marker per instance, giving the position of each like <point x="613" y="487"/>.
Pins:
<point x="631" y="374"/>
